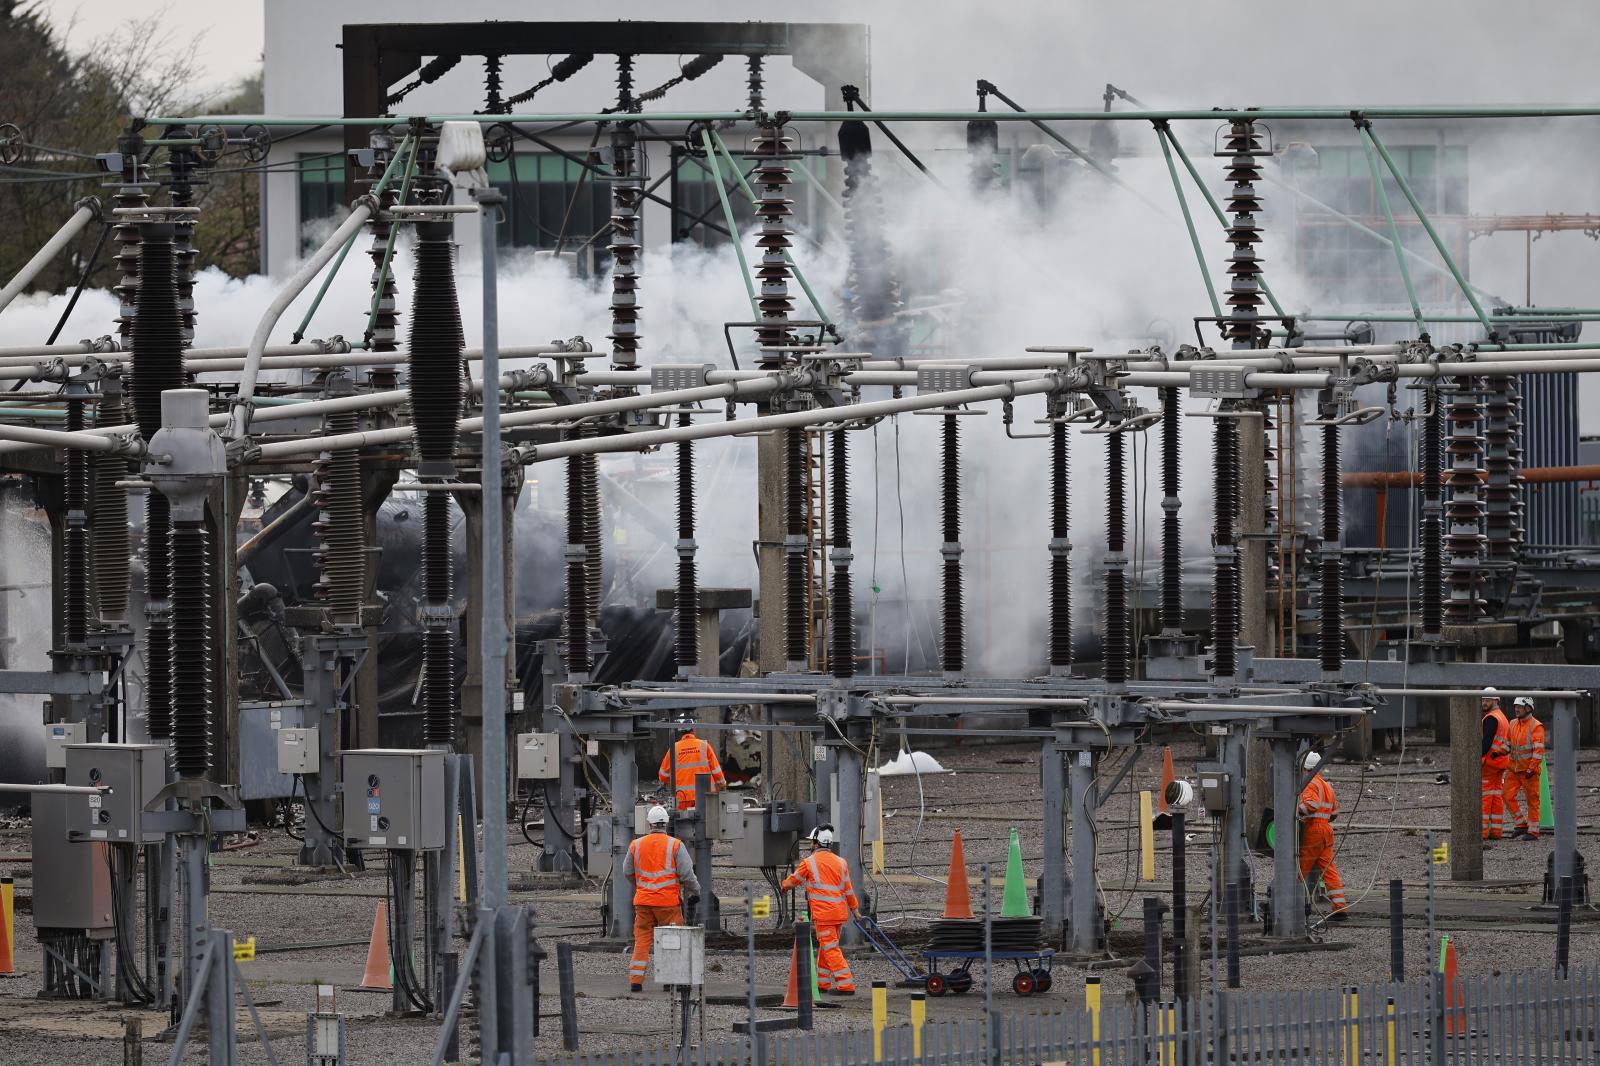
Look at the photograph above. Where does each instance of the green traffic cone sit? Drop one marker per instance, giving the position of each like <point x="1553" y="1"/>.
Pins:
<point x="1547" y="814"/>
<point x="1015" y="902"/>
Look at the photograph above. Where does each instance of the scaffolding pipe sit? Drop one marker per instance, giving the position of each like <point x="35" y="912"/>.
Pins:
<point x="88" y="210"/>
<point x="80" y="440"/>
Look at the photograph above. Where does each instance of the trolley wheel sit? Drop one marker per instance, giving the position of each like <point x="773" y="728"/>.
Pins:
<point x="961" y="982"/>
<point x="1042" y="980"/>
<point x="936" y="984"/>
<point x="1022" y="984"/>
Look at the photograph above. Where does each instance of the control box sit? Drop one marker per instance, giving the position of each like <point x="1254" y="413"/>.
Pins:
<point x="297" y="752"/>
<point x="394" y="798"/>
<point x="679" y="954"/>
<point x="1215" y="788"/>
<point x="538" y="756"/>
<point x="131" y="775"/>
<point x="760" y="845"/>
<point x="78" y="876"/>
<point x="57" y="735"/>
<point x="598" y="835"/>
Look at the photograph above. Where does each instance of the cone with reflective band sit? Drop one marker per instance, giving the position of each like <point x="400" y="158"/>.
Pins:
<point x="1547" y="813"/>
<point x="377" y="976"/>
<point x="957" y="894"/>
<point x="1015" y="902"/>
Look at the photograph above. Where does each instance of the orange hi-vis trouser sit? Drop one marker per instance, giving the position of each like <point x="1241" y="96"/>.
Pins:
<point x="833" y="972"/>
<point x="1316" y="854"/>
<point x="1494" y="803"/>
<point x="645" y="920"/>
<point x="1523" y="784"/>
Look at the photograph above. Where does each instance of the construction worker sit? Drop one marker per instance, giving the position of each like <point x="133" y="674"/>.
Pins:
<point x="1317" y="810"/>
<point x="660" y="872"/>
<point x="692" y="757"/>
<point x="1526" y="738"/>
<point x="831" y="900"/>
<point x="1496" y="761"/>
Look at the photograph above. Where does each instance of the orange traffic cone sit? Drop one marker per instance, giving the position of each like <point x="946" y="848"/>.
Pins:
<point x="7" y="919"/>
<point x="1167" y="777"/>
<point x="957" y="896"/>
<point x="377" y="976"/>
<point x="791" y="995"/>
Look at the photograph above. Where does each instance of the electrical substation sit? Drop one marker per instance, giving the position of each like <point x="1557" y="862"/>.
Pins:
<point x="374" y="635"/>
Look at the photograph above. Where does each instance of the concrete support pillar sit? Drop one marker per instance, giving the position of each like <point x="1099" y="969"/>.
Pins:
<point x="1288" y="912"/>
<point x="1084" y="921"/>
<point x="1053" y="879"/>
<point x="624" y="794"/>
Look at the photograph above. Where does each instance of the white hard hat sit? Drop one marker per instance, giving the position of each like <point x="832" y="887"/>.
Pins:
<point x="657" y="815"/>
<point x="1523" y="701"/>
<point x="822" y="836"/>
<point x="1311" y="761"/>
<point x="1490" y="692"/>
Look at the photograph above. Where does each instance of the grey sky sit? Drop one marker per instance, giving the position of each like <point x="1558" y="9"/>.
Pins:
<point x="229" y="30"/>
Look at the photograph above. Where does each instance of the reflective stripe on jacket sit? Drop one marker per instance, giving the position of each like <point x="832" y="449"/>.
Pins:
<point x="693" y="757"/>
<point x="1525" y="740"/>
<point x="1317" y="801"/>
<point x="655" y="870"/>
<point x="829" y="893"/>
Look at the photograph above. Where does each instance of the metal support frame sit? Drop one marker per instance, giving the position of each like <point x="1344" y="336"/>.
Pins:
<point x="1288" y="908"/>
<point x="1053" y="876"/>
<point x="331" y="664"/>
<point x="1085" y="922"/>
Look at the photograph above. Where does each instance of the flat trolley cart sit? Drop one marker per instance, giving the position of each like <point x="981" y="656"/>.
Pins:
<point x="1033" y="974"/>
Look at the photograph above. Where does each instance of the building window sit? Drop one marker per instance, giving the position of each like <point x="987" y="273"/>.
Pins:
<point x="321" y="194"/>
<point x="695" y="198"/>
<point x="1350" y="267"/>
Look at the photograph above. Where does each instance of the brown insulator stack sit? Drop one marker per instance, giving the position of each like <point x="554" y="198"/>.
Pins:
<point x="1225" y="579"/>
<point x="1171" y="519"/>
<point x="1464" y="510"/>
<point x="192" y="693"/>
<point x="340" y="526"/>
<point x="871" y="283"/>
<point x="1431" y="462"/>
<point x="1500" y="470"/>
<point x="772" y="208"/>
<point x="1330" y="635"/>
<point x="796" y="632"/>
<point x="1060" y="551"/>
<point x="383" y="336"/>
<point x="753" y="84"/>
<point x="954" y="647"/>
<point x="1244" y="291"/>
<point x="75" y="536"/>
<point x="688" y="595"/>
<point x="579" y="660"/>
<point x="1116" y="643"/>
<point x="841" y="605"/>
<point x="436" y="397"/>
<point x="182" y="164"/>
<point x="108" y="535"/>
<point x="593" y="529"/>
<point x="157" y="366"/>
<point x="627" y="192"/>
<point x="492" y="103"/>
<point x="1519" y="484"/>
<point x="132" y="194"/>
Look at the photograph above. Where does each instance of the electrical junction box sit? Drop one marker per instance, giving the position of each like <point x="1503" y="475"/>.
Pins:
<point x="1216" y="786"/>
<point x="598" y="836"/>
<point x="679" y="955"/>
<point x="760" y="846"/>
<point x="641" y="824"/>
<point x="57" y="735"/>
<point x="1220" y="382"/>
<point x="730" y="816"/>
<point x="394" y="798"/>
<point x="538" y="756"/>
<point x="78" y="876"/>
<point x="297" y="751"/>
<point x="132" y="774"/>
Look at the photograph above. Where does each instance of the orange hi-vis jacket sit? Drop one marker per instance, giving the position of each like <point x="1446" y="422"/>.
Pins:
<point x="1525" y="740"/>
<point x="829" y="893"/>
<point x="655" y="870"/>
<point x="1317" y="801"/>
<point x="694" y="757"/>
<point x="1500" y="748"/>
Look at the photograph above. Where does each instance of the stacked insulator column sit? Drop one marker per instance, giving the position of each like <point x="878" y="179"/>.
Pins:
<point x="1117" y="631"/>
<point x="579" y="661"/>
<point x="340" y="526"/>
<point x="688" y="598"/>
<point x="1225" y="582"/>
<point x="492" y="102"/>
<point x="795" y="631"/>
<point x="627" y="192"/>
<point x="1060" y="552"/>
<point x="593" y="539"/>
<point x="191" y="648"/>
<point x="1464" y="511"/>
<point x="1431" y="462"/>
<point x="181" y="173"/>
<point x="874" y="293"/>
<point x="157" y="366"/>
<point x="954" y="648"/>
<point x="130" y="195"/>
<point x="841" y="608"/>
<point x="983" y="146"/>
<point x="772" y="208"/>
<point x="436" y="397"/>
<point x="1171" y="520"/>
<point x="1244" y="290"/>
<point x="1500" y="475"/>
<point x="383" y="336"/>
<point x="108" y="536"/>
<point x="1330" y="636"/>
<point x="1519" y="503"/>
<point x="75" y="535"/>
<point x="754" y="84"/>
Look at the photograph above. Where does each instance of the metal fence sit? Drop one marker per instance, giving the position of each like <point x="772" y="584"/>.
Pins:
<point x="1529" y="1018"/>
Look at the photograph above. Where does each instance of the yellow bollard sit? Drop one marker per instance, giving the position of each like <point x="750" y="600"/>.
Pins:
<point x="880" y="1017"/>
<point x="1389" y="1025"/>
<point x="1169" y="1037"/>
<point x="1147" y="838"/>
<point x="1353" y="1025"/>
<point x="919" y="1017"/>
<point x="1091" y="1003"/>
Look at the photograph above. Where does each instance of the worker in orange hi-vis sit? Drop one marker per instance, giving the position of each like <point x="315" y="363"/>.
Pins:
<point x="1317" y="810"/>
<point x="1496" y="761"/>
<point x="691" y="757"/>
<point x="659" y="868"/>
<point x="832" y="900"/>
<point x="1525" y="737"/>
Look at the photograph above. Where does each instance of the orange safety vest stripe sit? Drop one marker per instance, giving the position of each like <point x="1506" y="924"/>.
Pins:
<point x="1318" y="802"/>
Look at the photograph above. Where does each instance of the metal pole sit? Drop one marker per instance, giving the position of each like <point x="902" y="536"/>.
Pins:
<point x="848" y="773"/>
<point x="1084" y="919"/>
<point x="1232" y="900"/>
<point x="737" y="239"/>
<point x="88" y="210"/>
<point x="1180" y="919"/>
<point x="1053" y="878"/>
<point x="624" y="794"/>
<point x="988" y="970"/>
<point x="1394" y="232"/>
<point x="1564" y="788"/>
<point x="1397" y="930"/>
<point x="1162" y="133"/>
<point x="1288" y="913"/>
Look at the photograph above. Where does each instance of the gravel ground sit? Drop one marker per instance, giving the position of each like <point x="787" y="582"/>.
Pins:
<point x="1386" y="808"/>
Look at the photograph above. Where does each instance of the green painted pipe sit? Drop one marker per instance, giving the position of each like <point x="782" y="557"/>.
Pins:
<point x="1394" y="235"/>
<point x="1433" y="235"/>
<point x="1436" y="318"/>
<point x="1188" y="220"/>
<point x="394" y="233"/>
<point x="31" y="412"/>
<point x="727" y="213"/>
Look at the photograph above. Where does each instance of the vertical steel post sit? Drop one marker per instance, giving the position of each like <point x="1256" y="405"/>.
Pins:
<point x="624" y="794"/>
<point x="848" y="773"/>
<point x="1053" y="877"/>
<point x="708" y="916"/>
<point x="1288" y="913"/>
<point x="1564" y="788"/>
<point x="1397" y="930"/>
<point x="1084" y="918"/>
<point x="1235" y="838"/>
<point x="1180" y="917"/>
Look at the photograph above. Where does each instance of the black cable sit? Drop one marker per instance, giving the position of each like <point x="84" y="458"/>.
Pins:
<point x="83" y="279"/>
<point x="311" y="808"/>
<point x="137" y="982"/>
<point x="288" y="819"/>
